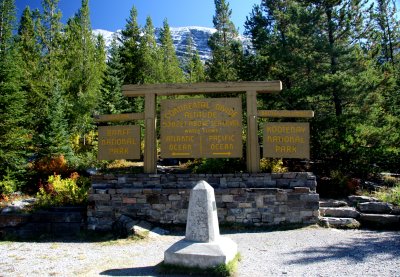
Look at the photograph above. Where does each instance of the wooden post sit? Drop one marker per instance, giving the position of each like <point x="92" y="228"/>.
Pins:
<point x="253" y="151"/>
<point x="150" y="145"/>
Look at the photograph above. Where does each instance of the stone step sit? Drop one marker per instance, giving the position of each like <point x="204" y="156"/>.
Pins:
<point x="381" y="220"/>
<point x="332" y="203"/>
<point x="340" y="223"/>
<point x="345" y="212"/>
<point x="375" y="207"/>
<point x="356" y="199"/>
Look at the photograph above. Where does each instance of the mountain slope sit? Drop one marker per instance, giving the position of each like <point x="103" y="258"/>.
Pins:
<point x="180" y="35"/>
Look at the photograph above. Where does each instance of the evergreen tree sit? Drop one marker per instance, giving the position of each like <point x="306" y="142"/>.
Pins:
<point x="54" y="140"/>
<point x="152" y="71"/>
<point x="130" y="50"/>
<point x="51" y="139"/>
<point x="112" y="100"/>
<point x="14" y="136"/>
<point x="193" y="66"/>
<point x="385" y="38"/>
<point x="30" y="50"/>
<point x="222" y="65"/>
<point x="84" y="68"/>
<point x="171" y="70"/>
<point x="7" y="18"/>
<point x="316" y="49"/>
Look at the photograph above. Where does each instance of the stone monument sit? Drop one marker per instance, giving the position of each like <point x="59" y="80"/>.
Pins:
<point x="202" y="246"/>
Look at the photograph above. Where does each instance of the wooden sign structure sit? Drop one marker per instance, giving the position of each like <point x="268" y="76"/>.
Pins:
<point x="210" y="128"/>
<point x="250" y="88"/>
<point x="201" y="128"/>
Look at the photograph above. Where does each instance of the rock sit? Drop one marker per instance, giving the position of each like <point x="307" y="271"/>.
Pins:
<point x="371" y="186"/>
<point x="141" y="229"/>
<point x="340" y="223"/>
<point x="339" y="212"/>
<point x="332" y="203"/>
<point x="396" y="210"/>
<point x="375" y="207"/>
<point x="356" y="199"/>
<point x="158" y="232"/>
<point x="18" y="206"/>
<point x="123" y="226"/>
<point x="381" y="220"/>
<point x="202" y="246"/>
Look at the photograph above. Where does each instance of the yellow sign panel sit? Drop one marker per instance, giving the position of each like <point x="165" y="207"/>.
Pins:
<point x="201" y="128"/>
<point x="119" y="142"/>
<point x="287" y="140"/>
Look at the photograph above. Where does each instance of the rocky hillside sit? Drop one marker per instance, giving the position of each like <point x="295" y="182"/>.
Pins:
<point x="180" y="35"/>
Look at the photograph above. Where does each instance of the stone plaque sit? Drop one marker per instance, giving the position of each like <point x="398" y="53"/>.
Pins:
<point x="201" y="128"/>
<point x="286" y="140"/>
<point x="119" y="142"/>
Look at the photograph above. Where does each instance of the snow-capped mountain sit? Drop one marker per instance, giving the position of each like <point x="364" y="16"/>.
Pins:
<point x="200" y="36"/>
<point x="180" y="35"/>
<point x="107" y="35"/>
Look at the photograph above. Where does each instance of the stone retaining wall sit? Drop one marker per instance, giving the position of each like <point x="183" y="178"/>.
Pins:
<point x="250" y="199"/>
<point x="57" y="222"/>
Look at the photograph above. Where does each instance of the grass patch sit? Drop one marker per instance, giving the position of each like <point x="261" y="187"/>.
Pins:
<point x="228" y="269"/>
<point x="389" y="194"/>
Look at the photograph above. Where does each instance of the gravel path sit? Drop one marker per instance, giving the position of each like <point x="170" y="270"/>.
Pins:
<point x="302" y="252"/>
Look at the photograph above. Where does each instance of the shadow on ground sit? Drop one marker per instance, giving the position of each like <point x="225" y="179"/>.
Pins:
<point x="140" y="271"/>
<point x="355" y="250"/>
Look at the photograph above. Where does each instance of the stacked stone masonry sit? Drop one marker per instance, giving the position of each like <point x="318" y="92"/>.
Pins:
<point x="248" y="199"/>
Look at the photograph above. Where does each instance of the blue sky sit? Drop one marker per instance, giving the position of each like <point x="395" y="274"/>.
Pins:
<point x="111" y="15"/>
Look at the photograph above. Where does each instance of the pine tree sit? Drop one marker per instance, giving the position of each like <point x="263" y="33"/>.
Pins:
<point x="7" y="18"/>
<point x="112" y="100"/>
<point x="14" y="136"/>
<point x="152" y="71"/>
<point x="221" y="67"/>
<point x="385" y="35"/>
<point x="54" y="140"/>
<point x="30" y="50"/>
<point x="193" y="66"/>
<point x="172" y="72"/>
<point x="316" y="49"/>
<point x="84" y="68"/>
<point x="130" y="50"/>
<point x="51" y="138"/>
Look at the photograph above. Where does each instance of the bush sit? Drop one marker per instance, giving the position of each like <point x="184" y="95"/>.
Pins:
<point x="389" y="194"/>
<point x="8" y="185"/>
<point x="63" y="192"/>
<point x="272" y="165"/>
<point x="51" y="165"/>
<point x="217" y="166"/>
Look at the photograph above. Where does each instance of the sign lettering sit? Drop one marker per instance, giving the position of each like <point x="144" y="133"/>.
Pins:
<point x="201" y="128"/>
<point x="119" y="142"/>
<point x="287" y="140"/>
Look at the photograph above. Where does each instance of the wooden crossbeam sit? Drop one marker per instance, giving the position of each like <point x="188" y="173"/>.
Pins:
<point x="201" y="88"/>
<point x="119" y="117"/>
<point x="286" y="113"/>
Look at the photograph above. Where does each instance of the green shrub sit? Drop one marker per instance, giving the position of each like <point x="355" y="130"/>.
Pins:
<point x="63" y="192"/>
<point x="8" y="185"/>
<point x="389" y="194"/>
<point x="272" y="165"/>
